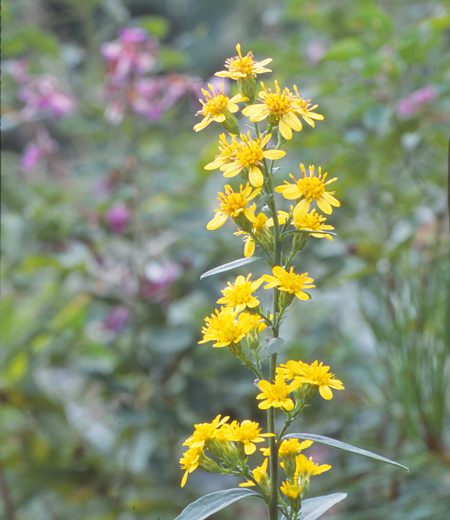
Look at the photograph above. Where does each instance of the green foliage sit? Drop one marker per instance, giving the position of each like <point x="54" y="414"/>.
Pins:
<point x="91" y="421"/>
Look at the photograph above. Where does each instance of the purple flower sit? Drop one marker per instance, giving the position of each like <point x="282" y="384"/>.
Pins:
<point x="117" y="217"/>
<point x="42" y="94"/>
<point x="116" y="319"/>
<point x="133" y="53"/>
<point x="154" y="96"/>
<point x="416" y="102"/>
<point x="159" y="278"/>
<point x="38" y="150"/>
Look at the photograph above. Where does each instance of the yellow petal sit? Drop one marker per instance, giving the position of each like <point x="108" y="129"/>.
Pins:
<point x="325" y="392"/>
<point x="255" y="177"/>
<point x="219" y="219"/>
<point x="274" y="154"/>
<point x="285" y="129"/>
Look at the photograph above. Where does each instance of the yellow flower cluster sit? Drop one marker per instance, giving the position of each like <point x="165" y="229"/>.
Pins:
<point x="251" y="205"/>
<point x="230" y="442"/>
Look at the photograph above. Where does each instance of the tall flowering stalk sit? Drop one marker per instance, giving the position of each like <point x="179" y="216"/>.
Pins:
<point x="278" y="236"/>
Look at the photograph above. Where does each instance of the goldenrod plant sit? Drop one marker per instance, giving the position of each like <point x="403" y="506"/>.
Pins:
<point x="282" y="481"/>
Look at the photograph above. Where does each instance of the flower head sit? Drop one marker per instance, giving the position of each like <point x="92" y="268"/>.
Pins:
<point x="189" y="462"/>
<point x="306" y="468"/>
<point x="39" y="150"/>
<point x="243" y="66"/>
<point x="232" y="204"/>
<point x="282" y="109"/>
<point x="275" y="394"/>
<point x="248" y="154"/>
<point x="260" y="223"/>
<point x="260" y="475"/>
<point x="204" y="432"/>
<point x="217" y="107"/>
<point x="248" y="432"/>
<point x="310" y="188"/>
<point x="225" y="329"/>
<point x="291" y="447"/>
<point x="289" y="282"/>
<point x="239" y="295"/>
<point x="290" y="490"/>
<point x="315" y="374"/>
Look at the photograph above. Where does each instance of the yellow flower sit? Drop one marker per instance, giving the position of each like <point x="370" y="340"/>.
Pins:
<point x="306" y="467"/>
<point x="190" y="461"/>
<point x="314" y="374"/>
<point x="248" y="432"/>
<point x="238" y="296"/>
<point x="225" y="329"/>
<point x="282" y="109"/>
<point x="311" y="221"/>
<point x="243" y="66"/>
<point x="217" y="107"/>
<point x="232" y="204"/>
<point x="290" y="447"/>
<point x="248" y="153"/>
<point x="290" y="490"/>
<point x="311" y="188"/>
<point x="275" y="394"/>
<point x="259" y="474"/>
<point x="204" y="432"/>
<point x="260" y="223"/>
<point x="255" y="321"/>
<point x="289" y="282"/>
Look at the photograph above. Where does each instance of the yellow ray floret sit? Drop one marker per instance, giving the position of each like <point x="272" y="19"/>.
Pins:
<point x="225" y="328"/>
<point x="232" y="204"/>
<point x="315" y="374"/>
<point x="189" y="462"/>
<point x="283" y="109"/>
<point x="248" y="154"/>
<point x="204" y="432"/>
<point x="289" y="282"/>
<point x="238" y="296"/>
<point x="259" y="474"/>
<point x="248" y="432"/>
<point x="217" y="107"/>
<point x="308" y="189"/>
<point x="276" y="394"/>
<point x="243" y="66"/>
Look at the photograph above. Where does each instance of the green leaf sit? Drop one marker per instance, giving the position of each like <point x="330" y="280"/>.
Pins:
<point x="342" y="446"/>
<point x="312" y="508"/>
<point x="156" y="25"/>
<point x="273" y="347"/>
<point x="346" y="49"/>
<point x="230" y="265"/>
<point x="209" y="504"/>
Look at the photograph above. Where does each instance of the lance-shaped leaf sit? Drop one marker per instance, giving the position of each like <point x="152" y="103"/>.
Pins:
<point x="209" y="504"/>
<point x="230" y="265"/>
<point x="312" y="508"/>
<point x="342" y="446"/>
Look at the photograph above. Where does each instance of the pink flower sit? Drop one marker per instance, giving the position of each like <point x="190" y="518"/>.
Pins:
<point x="416" y="102"/>
<point x="154" y="96"/>
<point x="117" y="217"/>
<point x="42" y="94"/>
<point x="38" y="150"/>
<point x="116" y="319"/>
<point x="133" y="53"/>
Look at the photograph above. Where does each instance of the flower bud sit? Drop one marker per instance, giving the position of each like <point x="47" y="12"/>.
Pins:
<point x="247" y="88"/>
<point x="230" y="124"/>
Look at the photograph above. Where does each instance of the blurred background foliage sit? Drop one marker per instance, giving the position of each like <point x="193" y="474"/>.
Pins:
<point x="104" y="240"/>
